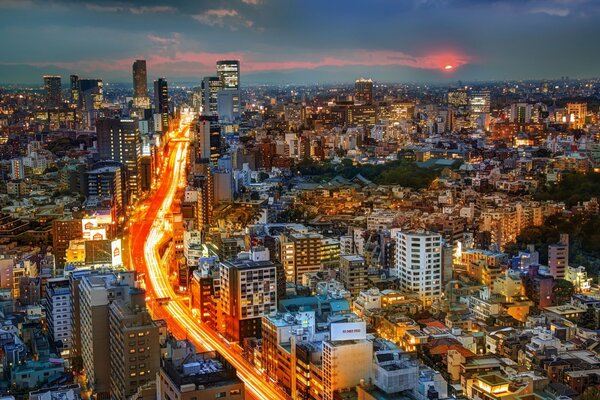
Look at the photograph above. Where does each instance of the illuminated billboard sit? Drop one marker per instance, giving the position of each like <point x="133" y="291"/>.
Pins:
<point x="349" y="330"/>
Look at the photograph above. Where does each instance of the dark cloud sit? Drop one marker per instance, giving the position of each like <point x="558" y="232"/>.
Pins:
<point x="302" y="40"/>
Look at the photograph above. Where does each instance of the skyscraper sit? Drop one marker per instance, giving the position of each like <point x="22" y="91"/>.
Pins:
<point x="419" y="264"/>
<point x="134" y="345"/>
<point x="363" y="91"/>
<point x="248" y="291"/>
<point x="91" y="97"/>
<point x="228" y="98"/>
<point x="229" y="74"/>
<point x="53" y="87"/>
<point x="140" y="85"/>
<point x="74" y="90"/>
<point x="161" y="104"/>
<point x="480" y="101"/>
<point x="211" y="85"/>
<point x="119" y="140"/>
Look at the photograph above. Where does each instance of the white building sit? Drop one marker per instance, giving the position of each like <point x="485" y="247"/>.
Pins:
<point x="58" y="313"/>
<point x="346" y="362"/>
<point x="419" y="263"/>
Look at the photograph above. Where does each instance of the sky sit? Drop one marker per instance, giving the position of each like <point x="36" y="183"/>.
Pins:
<point x="301" y="41"/>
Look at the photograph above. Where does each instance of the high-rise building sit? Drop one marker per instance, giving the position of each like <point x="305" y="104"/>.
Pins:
<point x="74" y="93"/>
<point x="558" y="257"/>
<point x="576" y="113"/>
<point x="363" y="91"/>
<point x="53" y="87"/>
<point x="346" y="360"/>
<point x="161" y="105"/>
<point x="58" y="306"/>
<point x="353" y="273"/>
<point x="134" y="345"/>
<point x="91" y="97"/>
<point x="140" y="85"/>
<point x="96" y="291"/>
<point x="419" y="264"/>
<point x="228" y="72"/>
<point x="106" y="181"/>
<point x="248" y="291"/>
<point x="119" y="140"/>
<point x="521" y="112"/>
<point x="480" y="101"/>
<point x="207" y="140"/>
<point x="300" y="253"/>
<point x="228" y="98"/>
<point x="63" y="231"/>
<point x="457" y="98"/>
<point x="211" y="85"/>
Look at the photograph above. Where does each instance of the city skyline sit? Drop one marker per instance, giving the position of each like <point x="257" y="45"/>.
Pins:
<point x="281" y="42"/>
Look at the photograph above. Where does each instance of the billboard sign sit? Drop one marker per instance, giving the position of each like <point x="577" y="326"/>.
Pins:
<point x="349" y="330"/>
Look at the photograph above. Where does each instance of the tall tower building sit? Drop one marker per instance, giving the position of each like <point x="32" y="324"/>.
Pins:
<point x="58" y="314"/>
<point x="74" y="90"/>
<point x="480" y="101"/>
<point x="228" y="98"/>
<point x="95" y="293"/>
<point x="353" y="273"/>
<point x="363" y="91"/>
<point x="161" y="105"/>
<point x="53" y="88"/>
<point x="119" y="140"/>
<point x="419" y="264"/>
<point x="208" y="140"/>
<point x="211" y="85"/>
<point x="63" y="231"/>
<point x="134" y="345"/>
<point x="228" y="72"/>
<point x="140" y="85"/>
<point x="558" y="257"/>
<point x="91" y="97"/>
<point x="248" y="291"/>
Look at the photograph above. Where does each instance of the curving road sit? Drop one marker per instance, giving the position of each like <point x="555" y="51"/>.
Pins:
<point x="148" y="230"/>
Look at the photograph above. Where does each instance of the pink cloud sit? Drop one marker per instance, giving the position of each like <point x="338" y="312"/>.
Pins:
<point x="198" y="63"/>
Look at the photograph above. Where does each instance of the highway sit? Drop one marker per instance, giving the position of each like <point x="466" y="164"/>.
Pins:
<point x="147" y="231"/>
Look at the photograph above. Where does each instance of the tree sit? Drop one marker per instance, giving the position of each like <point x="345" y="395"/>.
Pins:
<point x="591" y="393"/>
<point x="563" y="290"/>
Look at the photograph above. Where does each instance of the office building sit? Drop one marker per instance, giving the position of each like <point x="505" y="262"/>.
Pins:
<point x="480" y="101"/>
<point x="576" y="113"/>
<point x="457" y="98"/>
<point x="187" y="375"/>
<point x="363" y="91"/>
<point x="106" y="181"/>
<point x="248" y="291"/>
<point x="63" y="231"/>
<point x="347" y="359"/>
<point x="228" y="105"/>
<point x="161" y="105"/>
<point x="207" y="140"/>
<point x="134" y="345"/>
<point x="558" y="257"/>
<point x="58" y="314"/>
<point x="211" y="85"/>
<point x="300" y="253"/>
<point x="17" y="169"/>
<point x="91" y="327"/>
<point x="119" y="140"/>
<point x="53" y="88"/>
<point x="228" y="72"/>
<point x="353" y="273"/>
<point x="521" y="112"/>
<point x="140" y="85"/>
<point x="74" y="90"/>
<point x="419" y="264"/>
<point x="91" y="97"/>
<point x="228" y="98"/>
